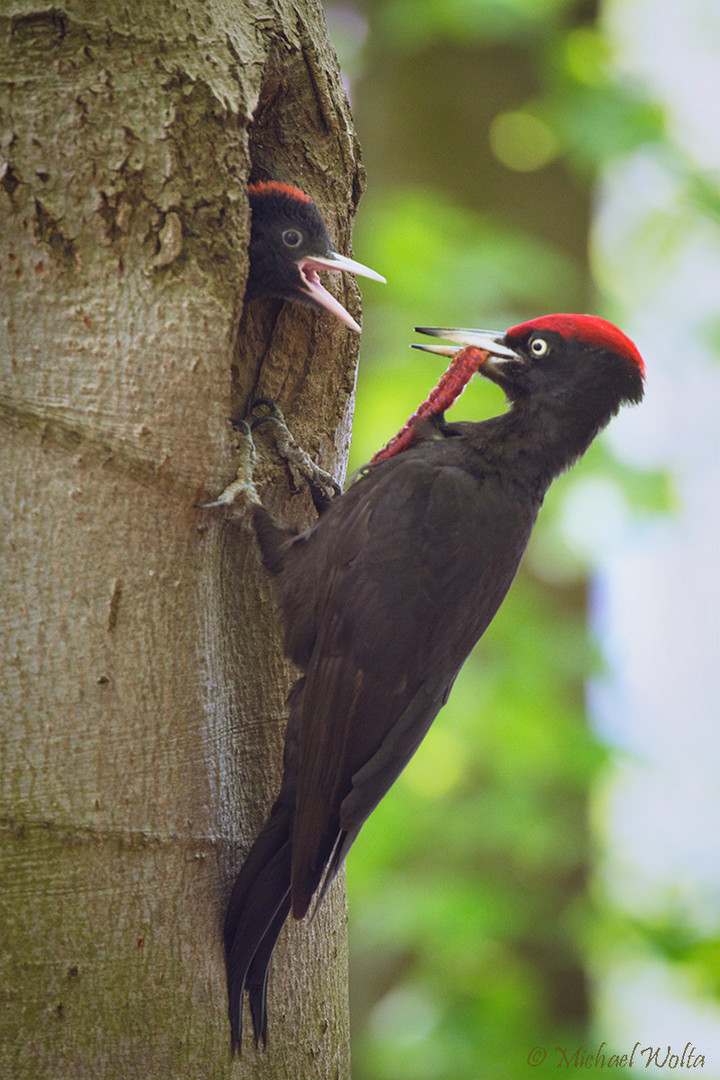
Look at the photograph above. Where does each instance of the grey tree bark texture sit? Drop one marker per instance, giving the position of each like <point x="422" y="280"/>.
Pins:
<point x="143" y="680"/>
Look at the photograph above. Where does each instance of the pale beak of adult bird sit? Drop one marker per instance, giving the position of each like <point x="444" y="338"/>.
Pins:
<point x="492" y="341"/>
<point x="315" y="290"/>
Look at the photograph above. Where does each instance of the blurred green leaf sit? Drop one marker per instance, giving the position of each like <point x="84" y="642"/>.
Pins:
<point x="596" y="124"/>
<point x="411" y="24"/>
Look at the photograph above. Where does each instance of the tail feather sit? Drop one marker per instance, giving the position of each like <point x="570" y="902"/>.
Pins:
<point x="319" y="889"/>
<point x="259" y="903"/>
<point x="257" y="976"/>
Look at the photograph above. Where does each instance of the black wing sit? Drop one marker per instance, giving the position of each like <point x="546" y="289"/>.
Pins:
<point x="383" y="600"/>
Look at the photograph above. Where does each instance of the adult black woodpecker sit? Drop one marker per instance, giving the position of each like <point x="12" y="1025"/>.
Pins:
<point x="384" y="598"/>
<point x="288" y="245"/>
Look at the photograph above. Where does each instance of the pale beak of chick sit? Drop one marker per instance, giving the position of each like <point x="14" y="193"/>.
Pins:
<point x="313" y="288"/>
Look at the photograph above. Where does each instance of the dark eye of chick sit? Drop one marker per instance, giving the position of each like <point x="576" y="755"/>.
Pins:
<point x="292" y="238"/>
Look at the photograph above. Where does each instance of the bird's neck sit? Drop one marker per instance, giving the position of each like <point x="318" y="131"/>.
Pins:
<point x="538" y="439"/>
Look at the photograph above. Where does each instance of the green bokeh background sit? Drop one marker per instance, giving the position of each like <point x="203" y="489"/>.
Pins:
<point x="476" y="906"/>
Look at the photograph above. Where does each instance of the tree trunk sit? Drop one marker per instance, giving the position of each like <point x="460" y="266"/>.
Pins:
<point x="144" y="682"/>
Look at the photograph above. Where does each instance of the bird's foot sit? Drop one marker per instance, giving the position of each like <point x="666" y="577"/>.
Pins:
<point x="323" y="487"/>
<point x="242" y="487"/>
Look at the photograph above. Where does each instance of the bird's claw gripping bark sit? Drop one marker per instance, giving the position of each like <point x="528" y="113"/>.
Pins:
<point x="322" y="486"/>
<point x="242" y="486"/>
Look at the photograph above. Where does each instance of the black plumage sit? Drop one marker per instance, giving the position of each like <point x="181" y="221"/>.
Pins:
<point x="384" y="598"/>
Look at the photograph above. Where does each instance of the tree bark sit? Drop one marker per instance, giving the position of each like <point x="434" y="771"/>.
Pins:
<point x="144" y="684"/>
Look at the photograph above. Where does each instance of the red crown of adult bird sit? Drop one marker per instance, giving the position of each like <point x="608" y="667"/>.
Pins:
<point x="288" y="245"/>
<point x="384" y="598"/>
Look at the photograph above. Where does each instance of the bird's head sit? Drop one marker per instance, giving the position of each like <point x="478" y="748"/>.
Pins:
<point x="554" y="356"/>
<point x="289" y="244"/>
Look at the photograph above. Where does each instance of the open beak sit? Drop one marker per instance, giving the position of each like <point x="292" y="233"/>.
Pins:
<point x="491" y="341"/>
<point x="313" y="288"/>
